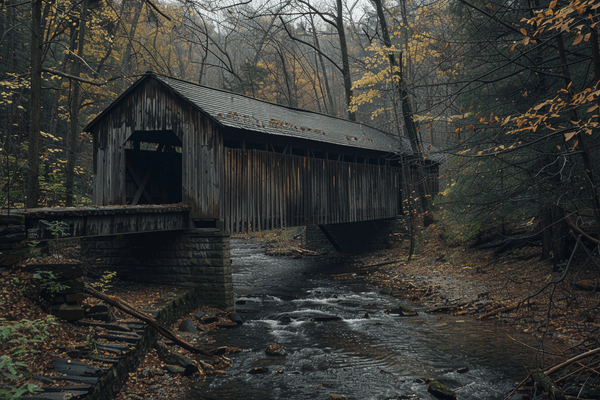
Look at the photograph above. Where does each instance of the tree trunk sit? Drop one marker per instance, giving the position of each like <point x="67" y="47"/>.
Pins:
<point x="345" y="60"/>
<point x="137" y="10"/>
<point x="554" y="234"/>
<point x="35" y="107"/>
<point x="74" y="104"/>
<point x="407" y="113"/>
<point x="331" y="108"/>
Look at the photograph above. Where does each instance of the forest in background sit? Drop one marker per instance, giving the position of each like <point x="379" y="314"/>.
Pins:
<point x="508" y="90"/>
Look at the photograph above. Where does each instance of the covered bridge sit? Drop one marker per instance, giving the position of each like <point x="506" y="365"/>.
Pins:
<point x="240" y="163"/>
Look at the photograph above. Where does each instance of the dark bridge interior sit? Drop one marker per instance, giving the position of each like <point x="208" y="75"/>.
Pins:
<point x="153" y="168"/>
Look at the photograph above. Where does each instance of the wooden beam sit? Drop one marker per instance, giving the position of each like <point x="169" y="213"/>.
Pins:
<point x="330" y="238"/>
<point x="138" y="182"/>
<point x="141" y="189"/>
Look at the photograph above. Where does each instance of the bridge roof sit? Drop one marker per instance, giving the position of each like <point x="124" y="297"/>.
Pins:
<point x="235" y="110"/>
<point x="238" y="111"/>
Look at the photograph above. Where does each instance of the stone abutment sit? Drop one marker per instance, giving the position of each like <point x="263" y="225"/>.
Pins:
<point x="197" y="259"/>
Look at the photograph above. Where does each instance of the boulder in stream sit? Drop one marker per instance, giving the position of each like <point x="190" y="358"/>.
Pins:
<point x="333" y="396"/>
<point x="326" y="318"/>
<point x="275" y="350"/>
<point x="402" y="311"/>
<point x="235" y="317"/>
<point x="284" y="318"/>
<point x="440" y="390"/>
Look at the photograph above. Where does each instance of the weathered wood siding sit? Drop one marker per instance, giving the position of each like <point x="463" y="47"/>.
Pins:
<point x="263" y="190"/>
<point x="153" y="107"/>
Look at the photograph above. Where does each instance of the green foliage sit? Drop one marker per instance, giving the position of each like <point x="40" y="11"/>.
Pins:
<point x="485" y="193"/>
<point x="105" y="282"/>
<point x="50" y="282"/>
<point x="58" y="229"/>
<point x="249" y="81"/>
<point x="11" y="375"/>
<point x="20" y="337"/>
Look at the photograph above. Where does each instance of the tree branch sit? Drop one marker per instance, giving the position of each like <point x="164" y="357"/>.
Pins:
<point x="123" y="306"/>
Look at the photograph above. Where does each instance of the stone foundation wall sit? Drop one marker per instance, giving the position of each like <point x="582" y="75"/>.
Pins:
<point x="196" y="258"/>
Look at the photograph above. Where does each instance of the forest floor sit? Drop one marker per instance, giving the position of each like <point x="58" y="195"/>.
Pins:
<point x="444" y="278"/>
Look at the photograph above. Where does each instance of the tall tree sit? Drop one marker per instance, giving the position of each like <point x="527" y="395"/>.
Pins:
<point x="35" y="106"/>
<point x="74" y="105"/>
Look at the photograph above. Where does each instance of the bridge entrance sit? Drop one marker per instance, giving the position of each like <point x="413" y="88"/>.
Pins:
<point x="153" y="173"/>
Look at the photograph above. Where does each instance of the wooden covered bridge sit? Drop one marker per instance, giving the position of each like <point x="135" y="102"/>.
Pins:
<point x="179" y="167"/>
<point x="240" y="163"/>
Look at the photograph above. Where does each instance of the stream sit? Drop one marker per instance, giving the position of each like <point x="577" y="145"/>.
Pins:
<point x="332" y="347"/>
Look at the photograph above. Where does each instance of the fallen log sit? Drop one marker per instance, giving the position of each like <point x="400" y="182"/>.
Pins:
<point x="586" y="285"/>
<point x="502" y="310"/>
<point x="129" y="309"/>
<point x="509" y="243"/>
<point x="379" y="264"/>
<point x="448" y="308"/>
<point x="306" y="251"/>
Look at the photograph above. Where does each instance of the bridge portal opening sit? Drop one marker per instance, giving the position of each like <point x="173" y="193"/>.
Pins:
<point x="153" y="172"/>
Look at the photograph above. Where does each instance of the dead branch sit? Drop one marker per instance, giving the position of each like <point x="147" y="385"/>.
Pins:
<point x="572" y="360"/>
<point x="129" y="309"/>
<point x="580" y="231"/>
<point x="517" y="387"/>
<point x="588" y="251"/>
<point x="151" y="4"/>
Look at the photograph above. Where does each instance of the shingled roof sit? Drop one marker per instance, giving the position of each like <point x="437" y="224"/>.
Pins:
<point x="235" y="110"/>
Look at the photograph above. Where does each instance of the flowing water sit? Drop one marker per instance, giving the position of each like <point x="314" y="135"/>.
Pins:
<point x="333" y="348"/>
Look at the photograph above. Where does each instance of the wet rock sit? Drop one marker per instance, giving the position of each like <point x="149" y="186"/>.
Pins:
<point x="175" y="369"/>
<point x="187" y="325"/>
<point x="206" y="317"/>
<point x="284" y="318"/>
<point x="462" y="370"/>
<point x="227" y="325"/>
<point x="402" y="311"/>
<point x="440" y="390"/>
<point x="240" y="302"/>
<point x="275" y="350"/>
<point x="337" y="397"/>
<point x="169" y="357"/>
<point x="259" y="370"/>
<point x="367" y="315"/>
<point x="326" y="318"/>
<point x="235" y="317"/>
<point x="68" y="311"/>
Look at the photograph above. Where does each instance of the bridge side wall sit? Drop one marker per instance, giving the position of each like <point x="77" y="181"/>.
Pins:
<point x="194" y="258"/>
<point x="265" y="190"/>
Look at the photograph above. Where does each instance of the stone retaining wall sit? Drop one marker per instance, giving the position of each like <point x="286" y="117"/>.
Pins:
<point x="195" y="258"/>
